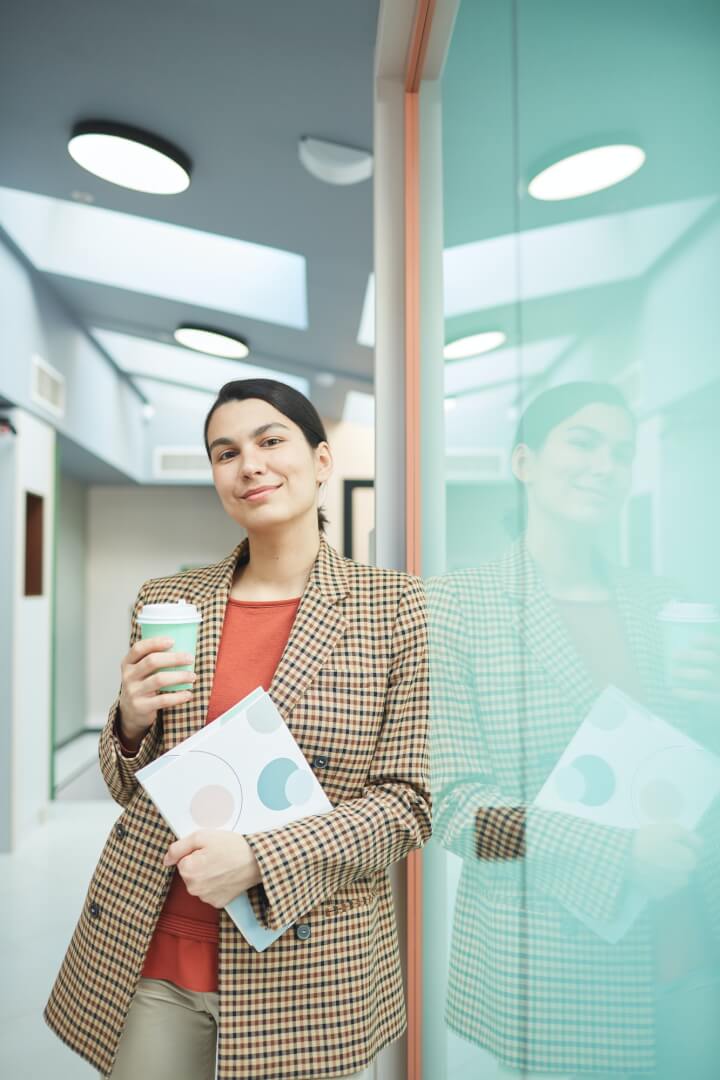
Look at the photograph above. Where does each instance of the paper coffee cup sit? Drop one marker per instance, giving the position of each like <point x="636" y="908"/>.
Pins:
<point x="179" y="621"/>
<point x="683" y="624"/>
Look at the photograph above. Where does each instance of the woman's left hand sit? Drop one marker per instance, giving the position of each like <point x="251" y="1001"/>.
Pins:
<point x="695" y="673"/>
<point x="215" y="865"/>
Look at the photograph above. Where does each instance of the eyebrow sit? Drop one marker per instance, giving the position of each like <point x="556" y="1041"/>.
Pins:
<point x="225" y="441"/>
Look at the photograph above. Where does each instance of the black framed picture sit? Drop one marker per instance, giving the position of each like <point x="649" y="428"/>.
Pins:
<point x="358" y="518"/>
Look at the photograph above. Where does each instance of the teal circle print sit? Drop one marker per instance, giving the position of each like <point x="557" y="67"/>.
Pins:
<point x="271" y="783"/>
<point x="588" y="780"/>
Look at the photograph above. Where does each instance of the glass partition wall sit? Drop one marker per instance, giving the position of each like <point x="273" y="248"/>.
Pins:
<point x="572" y="886"/>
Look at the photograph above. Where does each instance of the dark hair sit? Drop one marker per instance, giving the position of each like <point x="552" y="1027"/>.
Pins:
<point x="285" y="399"/>
<point x="544" y="414"/>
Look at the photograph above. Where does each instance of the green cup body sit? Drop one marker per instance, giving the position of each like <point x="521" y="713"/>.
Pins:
<point x="185" y="637"/>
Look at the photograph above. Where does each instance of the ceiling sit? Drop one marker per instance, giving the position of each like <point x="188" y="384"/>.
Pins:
<point x="234" y="84"/>
<point x="526" y="84"/>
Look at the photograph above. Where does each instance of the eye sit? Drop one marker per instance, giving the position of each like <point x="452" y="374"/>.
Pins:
<point x="584" y="442"/>
<point x="271" y="439"/>
<point x="223" y="456"/>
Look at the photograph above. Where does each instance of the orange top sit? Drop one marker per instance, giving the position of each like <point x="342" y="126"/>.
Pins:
<point x="184" y="946"/>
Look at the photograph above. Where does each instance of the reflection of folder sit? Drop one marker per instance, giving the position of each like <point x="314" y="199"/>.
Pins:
<point x="626" y="767"/>
<point x="244" y="773"/>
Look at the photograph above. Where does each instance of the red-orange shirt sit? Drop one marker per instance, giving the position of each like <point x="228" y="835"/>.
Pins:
<point x="184" y="946"/>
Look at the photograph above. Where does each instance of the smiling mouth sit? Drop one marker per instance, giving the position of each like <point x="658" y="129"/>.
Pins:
<point x="594" y="491"/>
<point x="258" y="493"/>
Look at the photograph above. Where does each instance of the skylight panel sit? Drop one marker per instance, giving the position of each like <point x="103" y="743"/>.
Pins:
<point x="156" y="258"/>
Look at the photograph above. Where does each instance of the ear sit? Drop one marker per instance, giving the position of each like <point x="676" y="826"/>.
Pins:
<point x="323" y="463"/>
<point x="521" y="463"/>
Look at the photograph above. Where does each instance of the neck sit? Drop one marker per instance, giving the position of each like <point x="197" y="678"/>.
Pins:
<point x="566" y="557"/>
<point x="279" y="563"/>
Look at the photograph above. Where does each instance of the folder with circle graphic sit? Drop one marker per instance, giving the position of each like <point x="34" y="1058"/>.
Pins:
<point x="244" y="773"/>
<point x="626" y="767"/>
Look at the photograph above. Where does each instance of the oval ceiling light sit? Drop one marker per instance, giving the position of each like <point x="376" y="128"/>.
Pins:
<point x="204" y="339"/>
<point x="474" y="345"/>
<point x="587" y="172"/>
<point x="130" y="157"/>
<point x="333" y="162"/>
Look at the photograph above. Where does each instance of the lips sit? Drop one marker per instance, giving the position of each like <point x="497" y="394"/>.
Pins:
<point x="256" y="492"/>
<point x="597" y="492"/>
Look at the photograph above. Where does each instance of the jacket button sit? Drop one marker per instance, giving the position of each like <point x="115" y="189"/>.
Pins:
<point x="94" y="910"/>
<point x="120" y="832"/>
<point x="319" y="762"/>
<point x="302" y="931"/>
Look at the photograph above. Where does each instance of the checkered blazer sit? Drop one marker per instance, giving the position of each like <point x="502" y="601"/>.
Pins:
<point x="527" y="979"/>
<point x="352" y="685"/>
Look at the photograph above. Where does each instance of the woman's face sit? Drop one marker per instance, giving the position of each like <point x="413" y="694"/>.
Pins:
<point x="582" y="473"/>
<point x="264" y="470"/>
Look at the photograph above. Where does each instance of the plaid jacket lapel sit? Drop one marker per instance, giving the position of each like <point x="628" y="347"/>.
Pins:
<point x="319" y="625"/>
<point x="541" y="628"/>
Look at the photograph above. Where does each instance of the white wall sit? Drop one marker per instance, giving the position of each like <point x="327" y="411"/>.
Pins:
<point x="102" y="413"/>
<point x="353" y="448"/>
<point x="31" y="696"/>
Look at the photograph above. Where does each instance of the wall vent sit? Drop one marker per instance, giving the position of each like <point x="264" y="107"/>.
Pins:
<point x="476" y="466"/>
<point x="47" y="387"/>
<point x="181" y="463"/>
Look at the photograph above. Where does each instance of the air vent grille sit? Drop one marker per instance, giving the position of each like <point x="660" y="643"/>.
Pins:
<point x="181" y="463"/>
<point x="48" y="386"/>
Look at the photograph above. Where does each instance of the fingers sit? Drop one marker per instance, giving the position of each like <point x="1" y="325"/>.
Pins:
<point x="145" y="646"/>
<point x="154" y="683"/>
<point x="180" y="849"/>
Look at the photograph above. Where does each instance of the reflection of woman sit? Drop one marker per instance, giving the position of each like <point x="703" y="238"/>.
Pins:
<point x="155" y="971"/>
<point x="520" y="649"/>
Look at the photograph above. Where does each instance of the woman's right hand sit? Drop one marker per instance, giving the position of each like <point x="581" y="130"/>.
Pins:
<point x="142" y="679"/>
<point x="663" y="858"/>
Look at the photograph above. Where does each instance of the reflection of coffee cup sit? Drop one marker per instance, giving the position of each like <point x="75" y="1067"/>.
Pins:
<point x="178" y="621"/>
<point x="684" y="624"/>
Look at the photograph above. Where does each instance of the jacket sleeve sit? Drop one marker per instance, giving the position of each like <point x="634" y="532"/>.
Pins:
<point x="117" y="766"/>
<point x="307" y="861"/>
<point x="580" y="863"/>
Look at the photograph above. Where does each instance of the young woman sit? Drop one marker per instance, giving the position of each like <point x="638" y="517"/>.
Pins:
<point x="156" y="974"/>
<point x="520" y="649"/>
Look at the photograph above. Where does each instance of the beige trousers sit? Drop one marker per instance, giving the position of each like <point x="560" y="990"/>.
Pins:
<point x="171" y="1034"/>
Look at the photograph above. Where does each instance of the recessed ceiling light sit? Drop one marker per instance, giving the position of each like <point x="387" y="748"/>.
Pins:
<point x="474" y="345"/>
<point x="333" y="162"/>
<point x="130" y="157"/>
<point x="586" y="172"/>
<point x="213" y="342"/>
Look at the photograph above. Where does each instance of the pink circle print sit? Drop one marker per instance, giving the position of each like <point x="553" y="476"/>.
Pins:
<point x="212" y="806"/>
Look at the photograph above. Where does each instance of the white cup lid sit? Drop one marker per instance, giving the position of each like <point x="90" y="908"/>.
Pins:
<point x="178" y="612"/>
<point x="682" y="611"/>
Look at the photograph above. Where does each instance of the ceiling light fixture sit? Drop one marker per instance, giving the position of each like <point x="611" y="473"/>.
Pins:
<point x="474" y="345"/>
<point x="130" y="157"/>
<point x="586" y="172"/>
<point x="204" y="339"/>
<point x="333" y="162"/>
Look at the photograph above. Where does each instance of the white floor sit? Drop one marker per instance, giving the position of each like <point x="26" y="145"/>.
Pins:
<point x="42" y="887"/>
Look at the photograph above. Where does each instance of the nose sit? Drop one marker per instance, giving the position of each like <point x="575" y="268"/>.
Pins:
<point x="250" y="464"/>
<point x="603" y="462"/>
